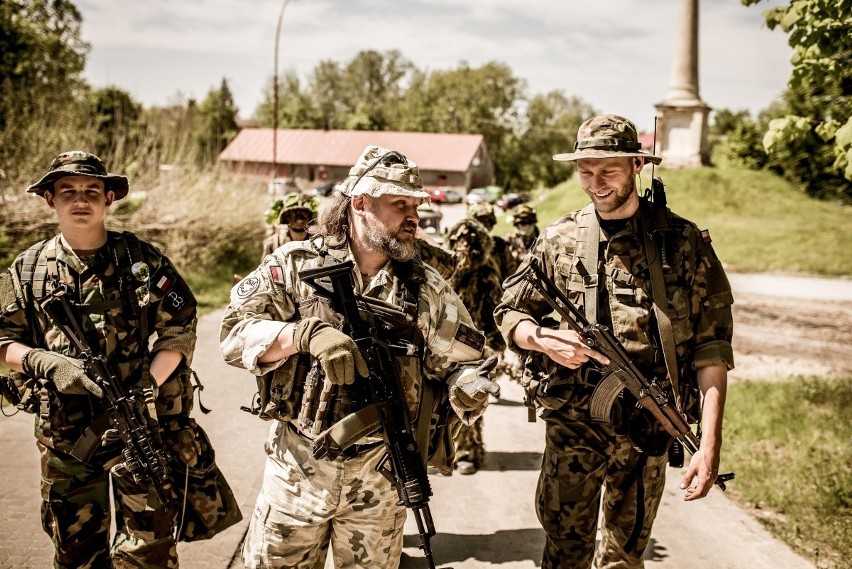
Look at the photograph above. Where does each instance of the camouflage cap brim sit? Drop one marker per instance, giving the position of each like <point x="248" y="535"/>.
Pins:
<point x="378" y="187"/>
<point x="112" y="182"/>
<point x="597" y="153"/>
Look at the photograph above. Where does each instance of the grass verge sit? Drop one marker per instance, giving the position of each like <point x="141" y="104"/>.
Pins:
<point x="789" y="445"/>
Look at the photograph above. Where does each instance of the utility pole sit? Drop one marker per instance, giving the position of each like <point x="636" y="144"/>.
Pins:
<point x="275" y="94"/>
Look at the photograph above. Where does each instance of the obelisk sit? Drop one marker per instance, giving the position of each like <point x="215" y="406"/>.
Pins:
<point x="682" y="116"/>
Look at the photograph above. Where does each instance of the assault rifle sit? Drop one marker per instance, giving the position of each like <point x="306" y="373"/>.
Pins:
<point x="621" y="373"/>
<point x="403" y="464"/>
<point x="143" y="457"/>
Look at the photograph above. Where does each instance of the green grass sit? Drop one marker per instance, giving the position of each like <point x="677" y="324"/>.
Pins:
<point x="758" y="221"/>
<point x="789" y="446"/>
<point x="212" y="289"/>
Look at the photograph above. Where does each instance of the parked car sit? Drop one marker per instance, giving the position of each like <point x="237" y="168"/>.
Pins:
<point x="323" y="190"/>
<point x="488" y="194"/>
<point x="443" y="194"/>
<point x="509" y="201"/>
<point x="430" y="222"/>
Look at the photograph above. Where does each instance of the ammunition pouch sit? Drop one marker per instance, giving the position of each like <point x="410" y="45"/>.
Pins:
<point x="21" y="391"/>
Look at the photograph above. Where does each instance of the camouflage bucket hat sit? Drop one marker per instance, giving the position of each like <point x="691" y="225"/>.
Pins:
<point x="524" y="214"/>
<point x="607" y="136"/>
<point x="380" y="171"/>
<point x="79" y="163"/>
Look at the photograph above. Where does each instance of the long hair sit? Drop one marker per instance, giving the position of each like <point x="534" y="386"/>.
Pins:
<point x="333" y="218"/>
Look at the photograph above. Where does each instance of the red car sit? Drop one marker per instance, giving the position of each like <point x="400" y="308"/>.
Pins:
<point x="443" y="194"/>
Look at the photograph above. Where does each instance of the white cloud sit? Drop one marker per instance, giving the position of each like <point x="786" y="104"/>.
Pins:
<point x="615" y="54"/>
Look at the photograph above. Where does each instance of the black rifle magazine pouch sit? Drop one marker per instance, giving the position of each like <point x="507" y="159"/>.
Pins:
<point x="206" y="504"/>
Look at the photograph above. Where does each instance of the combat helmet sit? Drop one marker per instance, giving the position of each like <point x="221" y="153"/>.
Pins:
<point x="281" y="208"/>
<point x="524" y="215"/>
<point x="483" y="212"/>
<point x="478" y="239"/>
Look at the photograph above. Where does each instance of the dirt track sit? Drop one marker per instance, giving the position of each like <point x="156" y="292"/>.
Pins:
<point x="776" y="337"/>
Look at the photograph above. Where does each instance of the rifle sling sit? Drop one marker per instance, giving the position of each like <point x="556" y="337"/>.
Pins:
<point x="346" y="432"/>
<point x="591" y="279"/>
<point x="658" y="294"/>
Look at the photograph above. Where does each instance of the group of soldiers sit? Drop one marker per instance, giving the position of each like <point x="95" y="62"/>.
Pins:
<point x="443" y="317"/>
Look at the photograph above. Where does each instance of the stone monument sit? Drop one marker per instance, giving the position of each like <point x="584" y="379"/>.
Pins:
<point x="682" y="116"/>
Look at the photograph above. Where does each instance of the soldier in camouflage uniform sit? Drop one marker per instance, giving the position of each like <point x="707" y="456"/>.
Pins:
<point x="521" y="239"/>
<point x="275" y="327"/>
<point x="126" y="292"/>
<point x="294" y="213"/>
<point x="477" y="283"/>
<point x="501" y="254"/>
<point x="582" y="456"/>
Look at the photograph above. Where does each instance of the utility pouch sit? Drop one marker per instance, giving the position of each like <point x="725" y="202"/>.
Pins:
<point x="206" y="503"/>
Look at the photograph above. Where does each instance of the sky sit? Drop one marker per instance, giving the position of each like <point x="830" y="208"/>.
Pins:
<point x="616" y="55"/>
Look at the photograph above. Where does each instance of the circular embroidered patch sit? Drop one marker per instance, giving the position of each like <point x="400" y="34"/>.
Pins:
<point x="247" y="286"/>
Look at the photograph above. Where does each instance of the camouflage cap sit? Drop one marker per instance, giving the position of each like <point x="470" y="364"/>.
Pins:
<point x="380" y="171"/>
<point x="524" y="214"/>
<point x="607" y="136"/>
<point x="79" y="163"/>
<point x="484" y="213"/>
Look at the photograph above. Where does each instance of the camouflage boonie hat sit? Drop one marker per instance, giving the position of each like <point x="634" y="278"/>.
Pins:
<point x="79" y="163"/>
<point x="482" y="212"/>
<point x="380" y="171"/>
<point x="607" y="136"/>
<point x="524" y="214"/>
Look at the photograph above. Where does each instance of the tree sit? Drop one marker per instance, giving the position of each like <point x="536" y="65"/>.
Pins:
<point x="816" y="132"/>
<point x="114" y="115"/>
<point x="217" y="123"/>
<point x="42" y="56"/>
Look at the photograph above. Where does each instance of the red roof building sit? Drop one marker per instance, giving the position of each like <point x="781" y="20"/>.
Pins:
<point x="313" y="157"/>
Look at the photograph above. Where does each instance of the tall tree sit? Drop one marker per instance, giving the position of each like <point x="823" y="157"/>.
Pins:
<point x="812" y="143"/>
<point x="115" y="117"/>
<point x="217" y="123"/>
<point x="42" y="56"/>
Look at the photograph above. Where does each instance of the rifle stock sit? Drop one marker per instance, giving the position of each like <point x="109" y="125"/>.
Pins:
<point x="621" y="373"/>
<point x="403" y="464"/>
<point x="142" y="457"/>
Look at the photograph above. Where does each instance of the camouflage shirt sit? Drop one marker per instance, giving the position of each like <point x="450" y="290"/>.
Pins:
<point x="106" y="294"/>
<point x="519" y="244"/>
<point x="696" y="286"/>
<point x="279" y="236"/>
<point x="273" y="295"/>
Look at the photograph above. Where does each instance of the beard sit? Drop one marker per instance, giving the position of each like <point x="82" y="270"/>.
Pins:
<point x="380" y="239"/>
<point x="622" y="195"/>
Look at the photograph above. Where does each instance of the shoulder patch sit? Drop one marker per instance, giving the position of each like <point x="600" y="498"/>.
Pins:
<point x="705" y="235"/>
<point x="470" y="337"/>
<point x="276" y="273"/>
<point x="247" y="286"/>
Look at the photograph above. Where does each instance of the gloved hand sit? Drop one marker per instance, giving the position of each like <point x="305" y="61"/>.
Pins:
<point x="339" y="356"/>
<point x="64" y="372"/>
<point x="472" y="392"/>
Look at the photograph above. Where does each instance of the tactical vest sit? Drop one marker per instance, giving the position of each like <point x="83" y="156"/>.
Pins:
<point x="298" y="391"/>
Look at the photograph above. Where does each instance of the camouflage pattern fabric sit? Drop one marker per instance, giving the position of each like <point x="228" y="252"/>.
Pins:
<point x="436" y="257"/>
<point x="700" y="308"/>
<point x="503" y="258"/>
<point x="279" y="236"/>
<point x="478" y="285"/>
<point x="519" y="245"/>
<point x="99" y="284"/>
<point x="305" y="505"/>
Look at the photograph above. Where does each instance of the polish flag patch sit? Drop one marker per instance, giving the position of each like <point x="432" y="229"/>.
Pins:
<point x="705" y="234"/>
<point x="164" y="283"/>
<point x="277" y="274"/>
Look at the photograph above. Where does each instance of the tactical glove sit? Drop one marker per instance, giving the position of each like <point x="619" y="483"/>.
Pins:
<point x="471" y="392"/>
<point x="339" y="356"/>
<point x="64" y="372"/>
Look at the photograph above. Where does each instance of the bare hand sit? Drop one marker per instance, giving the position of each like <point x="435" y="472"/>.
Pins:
<point x="567" y="348"/>
<point x="703" y="468"/>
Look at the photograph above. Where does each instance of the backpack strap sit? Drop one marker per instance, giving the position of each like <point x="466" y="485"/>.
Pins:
<point x="589" y="233"/>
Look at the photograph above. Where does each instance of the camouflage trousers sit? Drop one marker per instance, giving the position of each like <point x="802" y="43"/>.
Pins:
<point x="581" y="461"/>
<point x="306" y="504"/>
<point x="469" y="444"/>
<point x="75" y="513"/>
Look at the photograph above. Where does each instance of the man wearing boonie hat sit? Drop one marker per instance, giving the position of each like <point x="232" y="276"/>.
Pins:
<point x="276" y="328"/>
<point x="125" y="294"/>
<point x="668" y="301"/>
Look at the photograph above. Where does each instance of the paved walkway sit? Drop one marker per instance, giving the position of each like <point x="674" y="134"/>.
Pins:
<point x="485" y="520"/>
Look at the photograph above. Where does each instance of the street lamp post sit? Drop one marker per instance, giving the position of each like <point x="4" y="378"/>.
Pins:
<point x="275" y="94"/>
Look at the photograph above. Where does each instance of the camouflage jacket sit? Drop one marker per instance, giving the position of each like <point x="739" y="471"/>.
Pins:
<point x="273" y="295"/>
<point x="519" y="244"/>
<point x="503" y="259"/>
<point x="697" y="288"/>
<point x="436" y="257"/>
<point x="108" y="300"/>
<point x="279" y="236"/>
